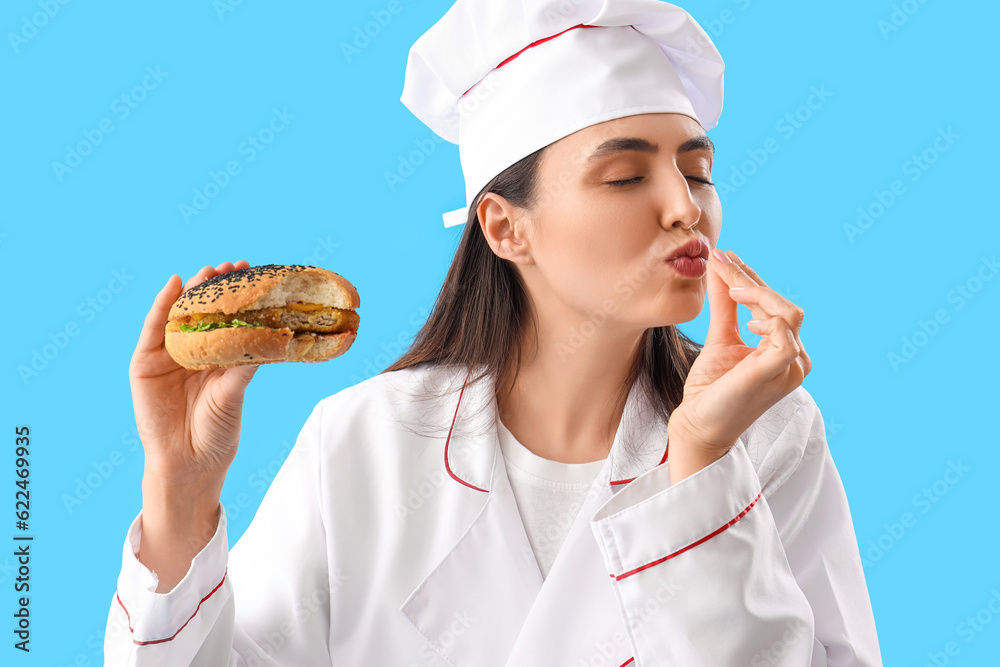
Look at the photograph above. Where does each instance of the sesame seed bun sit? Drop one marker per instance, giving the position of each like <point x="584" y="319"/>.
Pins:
<point x="263" y="314"/>
<point x="266" y="286"/>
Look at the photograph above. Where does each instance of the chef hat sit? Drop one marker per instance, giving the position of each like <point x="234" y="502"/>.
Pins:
<point x="503" y="79"/>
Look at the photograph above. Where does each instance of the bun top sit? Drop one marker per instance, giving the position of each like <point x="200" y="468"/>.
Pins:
<point x="268" y="286"/>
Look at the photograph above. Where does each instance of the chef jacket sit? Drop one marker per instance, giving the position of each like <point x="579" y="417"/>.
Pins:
<point x="390" y="536"/>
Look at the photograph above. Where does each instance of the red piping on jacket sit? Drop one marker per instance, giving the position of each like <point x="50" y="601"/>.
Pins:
<point x="462" y="481"/>
<point x="665" y="452"/>
<point x="694" y="544"/>
<point x="446" y="442"/>
<point x="535" y="43"/>
<point x="160" y="641"/>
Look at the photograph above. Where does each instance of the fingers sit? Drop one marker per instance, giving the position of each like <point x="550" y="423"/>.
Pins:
<point x="764" y="302"/>
<point x="199" y="277"/>
<point x="151" y="337"/>
<point x="732" y="271"/>
<point x="787" y="348"/>
<point x="723" y="327"/>
<point x="779" y="350"/>
<point x="750" y="272"/>
<point x="724" y="274"/>
<point x="748" y="288"/>
<point x="210" y="272"/>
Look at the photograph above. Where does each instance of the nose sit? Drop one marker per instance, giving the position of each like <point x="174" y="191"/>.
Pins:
<point x="679" y="207"/>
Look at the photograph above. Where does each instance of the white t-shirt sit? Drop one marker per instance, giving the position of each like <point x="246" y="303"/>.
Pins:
<point x="549" y="494"/>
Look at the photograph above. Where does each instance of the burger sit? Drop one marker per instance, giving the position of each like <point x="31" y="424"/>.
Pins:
<point x="263" y="315"/>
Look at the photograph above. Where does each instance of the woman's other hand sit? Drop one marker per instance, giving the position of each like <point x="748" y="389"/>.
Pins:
<point x="730" y="385"/>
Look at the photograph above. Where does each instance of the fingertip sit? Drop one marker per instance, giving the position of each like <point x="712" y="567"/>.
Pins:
<point x="169" y="286"/>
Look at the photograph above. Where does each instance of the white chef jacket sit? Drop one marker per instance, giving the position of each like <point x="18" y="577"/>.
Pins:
<point x="385" y="541"/>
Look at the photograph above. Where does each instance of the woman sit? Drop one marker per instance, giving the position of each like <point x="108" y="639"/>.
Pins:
<point x="504" y="493"/>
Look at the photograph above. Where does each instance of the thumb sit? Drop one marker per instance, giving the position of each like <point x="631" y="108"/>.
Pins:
<point x="722" y="326"/>
<point x="235" y="380"/>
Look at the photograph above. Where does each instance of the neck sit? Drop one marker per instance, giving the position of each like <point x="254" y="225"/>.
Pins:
<point x="565" y="404"/>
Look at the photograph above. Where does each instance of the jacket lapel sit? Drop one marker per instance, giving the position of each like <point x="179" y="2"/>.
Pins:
<point x="485" y="604"/>
<point x="471" y="605"/>
<point x="577" y="618"/>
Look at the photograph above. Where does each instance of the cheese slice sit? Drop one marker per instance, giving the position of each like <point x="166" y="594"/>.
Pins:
<point x="305" y="307"/>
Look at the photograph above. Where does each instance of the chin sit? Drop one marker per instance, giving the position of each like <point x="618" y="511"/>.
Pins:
<point x="679" y="311"/>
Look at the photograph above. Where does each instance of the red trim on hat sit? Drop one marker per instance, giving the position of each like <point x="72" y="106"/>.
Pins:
<point x="544" y="39"/>
<point x="536" y="43"/>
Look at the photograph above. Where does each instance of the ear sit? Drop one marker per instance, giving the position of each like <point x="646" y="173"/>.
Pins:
<point x="504" y="226"/>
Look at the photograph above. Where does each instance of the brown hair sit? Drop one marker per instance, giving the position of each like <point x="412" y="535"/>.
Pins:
<point x="480" y="315"/>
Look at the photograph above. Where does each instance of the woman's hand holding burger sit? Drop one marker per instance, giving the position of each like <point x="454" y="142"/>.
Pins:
<point x="196" y="355"/>
<point x="730" y="385"/>
<point x="189" y="425"/>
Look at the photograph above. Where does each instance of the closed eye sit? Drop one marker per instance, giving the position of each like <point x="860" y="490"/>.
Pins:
<point x="636" y="179"/>
<point x="627" y="181"/>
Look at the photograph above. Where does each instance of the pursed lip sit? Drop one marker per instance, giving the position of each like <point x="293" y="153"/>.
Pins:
<point x="693" y="248"/>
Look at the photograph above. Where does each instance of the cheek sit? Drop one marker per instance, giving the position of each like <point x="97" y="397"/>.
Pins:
<point x="585" y="249"/>
<point x="711" y="215"/>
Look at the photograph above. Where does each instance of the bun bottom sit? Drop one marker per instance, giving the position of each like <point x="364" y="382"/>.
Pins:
<point x="227" y="347"/>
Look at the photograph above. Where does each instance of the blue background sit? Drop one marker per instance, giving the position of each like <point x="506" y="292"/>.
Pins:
<point x="86" y="250"/>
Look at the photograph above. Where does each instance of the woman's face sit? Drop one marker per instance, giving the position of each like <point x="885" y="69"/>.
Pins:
<point x="614" y="200"/>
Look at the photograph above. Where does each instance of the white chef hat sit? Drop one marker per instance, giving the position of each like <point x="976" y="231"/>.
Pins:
<point x="504" y="78"/>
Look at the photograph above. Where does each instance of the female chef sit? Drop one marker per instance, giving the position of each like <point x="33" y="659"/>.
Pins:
<point x="504" y="494"/>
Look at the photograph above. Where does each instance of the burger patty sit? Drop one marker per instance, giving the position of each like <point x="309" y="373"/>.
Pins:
<point x="315" y="320"/>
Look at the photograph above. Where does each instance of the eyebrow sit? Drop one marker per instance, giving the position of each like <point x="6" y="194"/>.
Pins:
<point x="622" y="144"/>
